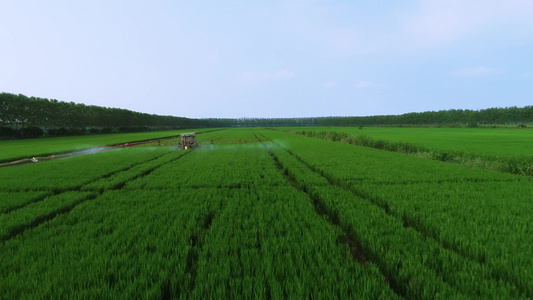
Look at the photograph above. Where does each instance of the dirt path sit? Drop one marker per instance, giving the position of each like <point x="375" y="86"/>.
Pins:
<point x="37" y="159"/>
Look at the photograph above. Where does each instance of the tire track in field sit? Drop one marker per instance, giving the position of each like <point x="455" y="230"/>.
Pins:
<point x="260" y="139"/>
<point x="222" y="135"/>
<point x="428" y="181"/>
<point x="264" y="137"/>
<point x="383" y="205"/>
<point x="57" y="191"/>
<point x="410" y="222"/>
<point x="197" y="244"/>
<point x="125" y="169"/>
<point x="16" y="230"/>
<point x="147" y="172"/>
<point x="37" y="199"/>
<point x="38" y="220"/>
<point x="197" y="240"/>
<point x="355" y="249"/>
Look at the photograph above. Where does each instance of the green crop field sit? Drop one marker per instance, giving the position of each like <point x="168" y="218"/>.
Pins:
<point x="505" y="150"/>
<point x="509" y="142"/>
<point x="259" y="213"/>
<point x="16" y="149"/>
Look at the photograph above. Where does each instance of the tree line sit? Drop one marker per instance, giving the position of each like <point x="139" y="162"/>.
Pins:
<point x="452" y="117"/>
<point x="29" y="117"/>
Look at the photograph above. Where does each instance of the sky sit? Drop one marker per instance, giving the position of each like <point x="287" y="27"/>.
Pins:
<point x="270" y="59"/>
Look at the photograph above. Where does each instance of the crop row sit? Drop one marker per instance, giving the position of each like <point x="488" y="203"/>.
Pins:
<point x="293" y="218"/>
<point x="481" y="141"/>
<point x="33" y="214"/>
<point x="219" y="166"/>
<point x="504" y="151"/>
<point x="119" y="179"/>
<point x="11" y="201"/>
<point x="23" y="210"/>
<point x="17" y="149"/>
<point x="257" y="240"/>
<point x="119" y="245"/>
<point x="405" y="244"/>
<point x="72" y="173"/>
<point x="270" y="243"/>
<point x="233" y="136"/>
<point x="487" y="222"/>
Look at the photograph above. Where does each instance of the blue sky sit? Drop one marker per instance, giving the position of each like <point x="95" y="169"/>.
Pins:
<point x="270" y="58"/>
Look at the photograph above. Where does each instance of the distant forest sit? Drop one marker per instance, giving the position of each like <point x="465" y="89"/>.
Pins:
<point x="452" y="117"/>
<point x="30" y="117"/>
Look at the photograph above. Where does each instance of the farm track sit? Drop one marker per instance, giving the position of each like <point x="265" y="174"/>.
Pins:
<point x="28" y="203"/>
<point x="73" y="153"/>
<point x="320" y="209"/>
<point x="66" y="209"/>
<point x="412" y="223"/>
<point x="13" y="232"/>
<point x="84" y="151"/>
<point x="120" y="185"/>
<point x="355" y="249"/>
<point x="409" y="182"/>
<point x="57" y="191"/>
<point x="25" y="161"/>
<point x="221" y="136"/>
<point x="197" y="186"/>
<point x="197" y="242"/>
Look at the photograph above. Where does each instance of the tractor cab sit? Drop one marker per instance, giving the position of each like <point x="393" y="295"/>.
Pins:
<point x="187" y="141"/>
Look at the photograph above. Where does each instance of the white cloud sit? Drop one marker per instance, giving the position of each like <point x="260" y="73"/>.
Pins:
<point x="428" y="23"/>
<point x="324" y="23"/>
<point x="364" y="84"/>
<point x="476" y="72"/>
<point x="438" y="22"/>
<point x="283" y="74"/>
<point x="330" y="84"/>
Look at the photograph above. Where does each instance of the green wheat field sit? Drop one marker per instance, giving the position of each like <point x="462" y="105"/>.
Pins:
<point x="298" y="213"/>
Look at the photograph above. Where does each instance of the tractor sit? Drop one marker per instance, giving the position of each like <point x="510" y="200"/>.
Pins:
<point x="187" y="141"/>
